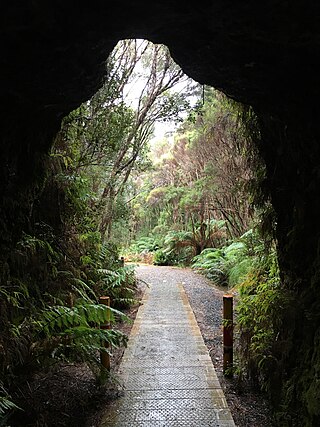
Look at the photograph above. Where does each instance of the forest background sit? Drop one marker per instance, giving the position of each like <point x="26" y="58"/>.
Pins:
<point x="192" y="197"/>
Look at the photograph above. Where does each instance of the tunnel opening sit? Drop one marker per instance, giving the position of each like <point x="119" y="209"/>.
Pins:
<point x="265" y="56"/>
<point x="89" y="183"/>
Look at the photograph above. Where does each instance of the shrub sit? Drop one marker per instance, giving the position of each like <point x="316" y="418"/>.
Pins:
<point x="253" y="271"/>
<point x="162" y="257"/>
<point x="221" y="265"/>
<point x="119" y="285"/>
<point x="259" y="316"/>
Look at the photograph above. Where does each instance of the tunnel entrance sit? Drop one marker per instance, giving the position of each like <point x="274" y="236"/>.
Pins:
<point x="265" y="56"/>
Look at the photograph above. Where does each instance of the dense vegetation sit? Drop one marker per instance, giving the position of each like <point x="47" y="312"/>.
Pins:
<point x="69" y="253"/>
<point x="201" y="204"/>
<point x="197" y="193"/>
<point x="192" y="197"/>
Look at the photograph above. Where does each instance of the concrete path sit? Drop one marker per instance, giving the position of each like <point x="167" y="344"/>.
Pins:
<point x="167" y="372"/>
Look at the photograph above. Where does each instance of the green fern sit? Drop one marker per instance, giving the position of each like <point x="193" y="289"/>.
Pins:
<point x="31" y="245"/>
<point x="74" y="334"/>
<point x="58" y="318"/>
<point x="224" y="266"/>
<point x="239" y="271"/>
<point x="91" y="338"/>
<point x="211" y="262"/>
<point x="120" y="285"/>
<point x="259" y="318"/>
<point x="82" y="289"/>
<point x="6" y="405"/>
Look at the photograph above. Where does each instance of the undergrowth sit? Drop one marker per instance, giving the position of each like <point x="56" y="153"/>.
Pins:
<point x="178" y="247"/>
<point x="50" y="284"/>
<point x="251" y="271"/>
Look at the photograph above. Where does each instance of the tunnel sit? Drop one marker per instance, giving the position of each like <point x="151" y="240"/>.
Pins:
<point x="264" y="55"/>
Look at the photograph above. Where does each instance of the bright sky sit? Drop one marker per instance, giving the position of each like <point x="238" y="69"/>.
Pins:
<point x="132" y="93"/>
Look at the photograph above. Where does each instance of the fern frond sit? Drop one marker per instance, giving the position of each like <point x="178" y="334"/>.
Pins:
<point x="83" y="289"/>
<point x="58" y="318"/>
<point x="6" y="405"/>
<point x="92" y="338"/>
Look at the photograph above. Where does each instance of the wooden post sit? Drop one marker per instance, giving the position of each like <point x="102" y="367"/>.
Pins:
<point x="228" y="335"/>
<point x="104" y="356"/>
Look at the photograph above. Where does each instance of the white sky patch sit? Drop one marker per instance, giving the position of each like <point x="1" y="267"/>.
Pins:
<point x="133" y="90"/>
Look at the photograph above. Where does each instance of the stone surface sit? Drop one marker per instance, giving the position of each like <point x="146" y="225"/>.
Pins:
<point x="168" y="376"/>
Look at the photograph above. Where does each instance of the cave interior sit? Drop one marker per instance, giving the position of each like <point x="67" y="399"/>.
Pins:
<point x="264" y="55"/>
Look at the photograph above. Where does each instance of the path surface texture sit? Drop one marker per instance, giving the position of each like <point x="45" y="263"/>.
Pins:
<point x="167" y="373"/>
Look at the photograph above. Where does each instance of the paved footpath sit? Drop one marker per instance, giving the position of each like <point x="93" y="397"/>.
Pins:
<point x="168" y="375"/>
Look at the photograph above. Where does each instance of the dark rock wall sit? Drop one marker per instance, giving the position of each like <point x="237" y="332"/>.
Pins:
<point x="262" y="54"/>
<point x="292" y="153"/>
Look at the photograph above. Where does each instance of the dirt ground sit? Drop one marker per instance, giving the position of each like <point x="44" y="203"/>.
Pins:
<point x="68" y="395"/>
